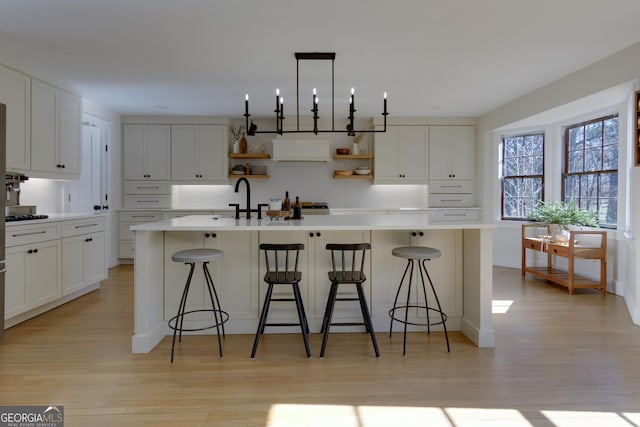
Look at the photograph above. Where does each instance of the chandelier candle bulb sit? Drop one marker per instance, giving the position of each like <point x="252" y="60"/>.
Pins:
<point x="313" y="99"/>
<point x="246" y="105"/>
<point x="384" y="110"/>
<point x="353" y="99"/>
<point x="277" y="99"/>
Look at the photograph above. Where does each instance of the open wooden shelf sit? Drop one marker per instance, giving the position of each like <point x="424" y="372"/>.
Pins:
<point x="354" y="176"/>
<point x="249" y="156"/>
<point x="353" y="156"/>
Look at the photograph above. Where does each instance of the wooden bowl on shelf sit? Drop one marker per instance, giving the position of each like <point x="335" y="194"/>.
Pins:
<point x="343" y="151"/>
<point x="343" y="172"/>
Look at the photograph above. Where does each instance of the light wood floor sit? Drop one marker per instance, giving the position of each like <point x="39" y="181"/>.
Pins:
<point x="559" y="360"/>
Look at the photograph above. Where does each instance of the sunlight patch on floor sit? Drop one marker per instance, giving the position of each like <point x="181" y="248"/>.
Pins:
<point x="588" y="419"/>
<point x="499" y="306"/>
<point x="295" y="415"/>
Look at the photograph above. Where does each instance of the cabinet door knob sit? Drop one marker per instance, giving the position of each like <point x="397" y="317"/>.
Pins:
<point x="421" y="234"/>
<point x="310" y="234"/>
<point x="318" y="234"/>
<point x="414" y="234"/>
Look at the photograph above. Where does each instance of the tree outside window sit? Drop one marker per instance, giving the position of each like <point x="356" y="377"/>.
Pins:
<point x="591" y="167"/>
<point x="522" y="174"/>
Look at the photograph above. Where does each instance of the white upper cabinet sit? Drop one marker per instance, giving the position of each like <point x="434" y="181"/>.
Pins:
<point x="147" y="152"/>
<point x="199" y="153"/>
<point x="451" y="152"/>
<point x="15" y="93"/>
<point x="401" y="155"/>
<point x="56" y="118"/>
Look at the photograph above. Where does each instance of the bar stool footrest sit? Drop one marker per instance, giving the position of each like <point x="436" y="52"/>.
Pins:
<point x="442" y="316"/>
<point x="224" y="316"/>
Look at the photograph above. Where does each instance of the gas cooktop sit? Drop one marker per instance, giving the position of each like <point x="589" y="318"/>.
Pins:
<point x="26" y="217"/>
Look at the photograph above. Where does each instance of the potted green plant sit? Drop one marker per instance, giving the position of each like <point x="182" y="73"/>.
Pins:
<point x="560" y="215"/>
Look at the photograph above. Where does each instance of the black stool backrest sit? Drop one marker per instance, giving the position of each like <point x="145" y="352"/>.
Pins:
<point x="278" y="251"/>
<point x="348" y="261"/>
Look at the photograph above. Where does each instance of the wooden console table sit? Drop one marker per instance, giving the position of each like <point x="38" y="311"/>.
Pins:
<point x="589" y="244"/>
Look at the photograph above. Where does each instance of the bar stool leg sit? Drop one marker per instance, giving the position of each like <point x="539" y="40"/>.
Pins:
<point x="217" y="309"/>
<point x="422" y="267"/>
<point x="442" y="315"/>
<point x="263" y="319"/>
<point x="181" y="310"/>
<point x="333" y="290"/>
<point x="366" y="318"/>
<point x="395" y="301"/>
<point x="304" y="327"/>
<point x="406" y="312"/>
<point x="328" y="315"/>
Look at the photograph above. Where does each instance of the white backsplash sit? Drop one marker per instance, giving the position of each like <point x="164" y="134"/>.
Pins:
<point x="314" y="186"/>
<point x="46" y="194"/>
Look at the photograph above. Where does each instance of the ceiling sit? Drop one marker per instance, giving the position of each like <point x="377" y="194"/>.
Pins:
<point x="199" y="57"/>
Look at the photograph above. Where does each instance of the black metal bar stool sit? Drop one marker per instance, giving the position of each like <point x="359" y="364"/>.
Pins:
<point x="347" y="268"/>
<point x="275" y="255"/>
<point x="191" y="257"/>
<point x="419" y="255"/>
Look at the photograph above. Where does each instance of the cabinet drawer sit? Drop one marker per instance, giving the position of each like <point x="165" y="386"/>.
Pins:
<point x="124" y="233"/>
<point x="450" y="200"/>
<point x="148" y="201"/>
<point x="144" y="187"/>
<point x="82" y="226"/>
<point x="559" y="250"/>
<point x="26" y="234"/>
<point x="454" y="215"/>
<point x="140" y="216"/>
<point x="451" y="186"/>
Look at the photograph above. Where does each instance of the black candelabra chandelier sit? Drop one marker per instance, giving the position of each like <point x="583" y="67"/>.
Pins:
<point x="252" y="129"/>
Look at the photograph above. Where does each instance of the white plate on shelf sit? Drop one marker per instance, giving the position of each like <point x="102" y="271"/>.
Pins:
<point x="237" y="172"/>
<point x="362" y="171"/>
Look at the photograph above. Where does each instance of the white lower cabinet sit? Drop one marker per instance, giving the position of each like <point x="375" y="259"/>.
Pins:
<point x="235" y="277"/>
<point x="445" y="272"/>
<point x="83" y="261"/>
<point x="33" y="276"/>
<point x="315" y="263"/>
<point x="50" y="263"/>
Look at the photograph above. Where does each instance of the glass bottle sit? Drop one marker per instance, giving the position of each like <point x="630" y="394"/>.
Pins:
<point x="286" y="204"/>
<point x="297" y="209"/>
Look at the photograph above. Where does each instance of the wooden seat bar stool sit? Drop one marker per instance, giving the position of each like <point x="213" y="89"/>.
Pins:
<point x="281" y="262"/>
<point x="347" y="268"/>
<point x="417" y="255"/>
<point x="191" y="257"/>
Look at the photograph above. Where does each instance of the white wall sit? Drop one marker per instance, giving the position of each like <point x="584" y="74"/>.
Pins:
<point x="606" y="85"/>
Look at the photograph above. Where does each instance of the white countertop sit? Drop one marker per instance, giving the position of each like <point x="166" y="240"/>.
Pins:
<point x="311" y="222"/>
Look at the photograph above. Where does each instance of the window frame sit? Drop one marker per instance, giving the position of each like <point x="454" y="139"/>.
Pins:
<point x="541" y="176"/>
<point x="599" y="172"/>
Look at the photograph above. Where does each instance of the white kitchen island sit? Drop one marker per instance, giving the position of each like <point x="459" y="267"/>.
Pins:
<point x="463" y="275"/>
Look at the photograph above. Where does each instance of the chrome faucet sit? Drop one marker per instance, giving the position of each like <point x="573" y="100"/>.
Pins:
<point x="248" y="209"/>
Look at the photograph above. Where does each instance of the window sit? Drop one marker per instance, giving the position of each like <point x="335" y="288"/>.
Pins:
<point x="591" y="167"/>
<point x="522" y="174"/>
